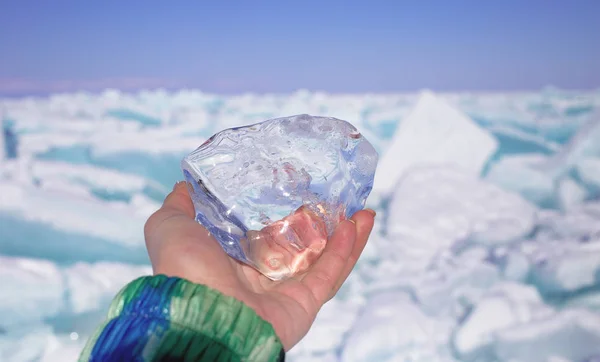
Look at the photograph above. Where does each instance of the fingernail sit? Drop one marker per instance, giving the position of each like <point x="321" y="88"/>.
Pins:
<point x="177" y="184"/>
<point x="352" y="221"/>
<point x="371" y="211"/>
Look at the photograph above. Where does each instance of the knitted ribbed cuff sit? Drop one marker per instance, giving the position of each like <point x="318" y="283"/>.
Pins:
<point x="163" y="317"/>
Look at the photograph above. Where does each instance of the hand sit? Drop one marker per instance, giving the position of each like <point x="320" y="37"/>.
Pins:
<point x="179" y="246"/>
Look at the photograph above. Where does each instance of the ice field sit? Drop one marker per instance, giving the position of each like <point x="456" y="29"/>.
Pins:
<point x="486" y="245"/>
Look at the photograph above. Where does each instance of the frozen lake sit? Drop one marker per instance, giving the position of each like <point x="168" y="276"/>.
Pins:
<point x="486" y="245"/>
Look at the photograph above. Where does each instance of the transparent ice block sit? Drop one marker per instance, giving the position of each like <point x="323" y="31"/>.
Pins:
<point x="272" y="193"/>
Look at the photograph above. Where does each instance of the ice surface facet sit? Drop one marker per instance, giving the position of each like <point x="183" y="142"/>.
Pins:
<point x="392" y="327"/>
<point x="434" y="133"/>
<point x="467" y="211"/>
<point x="571" y="334"/>
<point x="271" y="193"/>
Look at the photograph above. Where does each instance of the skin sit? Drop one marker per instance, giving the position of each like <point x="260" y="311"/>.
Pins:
<point x="179" y="246"/>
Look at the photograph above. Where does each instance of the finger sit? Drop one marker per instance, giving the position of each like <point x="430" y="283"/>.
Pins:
<point x="179" y="200"/>
<point x="365" y="220"/>
<point x="321" y="279"/>
<point x="177" y="205"/>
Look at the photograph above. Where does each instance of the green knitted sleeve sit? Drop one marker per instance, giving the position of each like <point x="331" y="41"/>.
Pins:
<point x="163" y="318"/>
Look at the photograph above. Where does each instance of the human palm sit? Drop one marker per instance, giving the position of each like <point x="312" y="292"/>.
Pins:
<point x="179" y="246"/>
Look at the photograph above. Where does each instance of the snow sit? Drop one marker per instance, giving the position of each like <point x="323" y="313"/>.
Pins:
<point x="328" y="333"/>
<point x="589" y="171"/>
<point x="392" y="327"/>
<point x="434" y="133"/>
<point x="39" y="344"/>
<point x="584" y="144"/>
<point x="524" y="174"/>
<point x="570" y="194"/>
<point x="92" y="286"/>
<point x="435" y="208"/>
<point x="572" y="334"/>
<point x="516" y="267"/>
<point x="95" y="177"/>
<point x="504" y="306"/>
<point x="452" y="285"/>
<point x="578" y="223"/>
<point x="34" y="290"/>
<point x="45" y="308"/>
<point x="2" y="149"/>
<point x="566" y="267"/>
<point x="73" y="213"/>
<point x="486" y="245"/>
<point x="519" y="141"/>
<point x="31" y="290"/>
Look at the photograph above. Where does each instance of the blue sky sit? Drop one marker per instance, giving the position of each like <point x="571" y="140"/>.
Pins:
<point x="269" y="46"/>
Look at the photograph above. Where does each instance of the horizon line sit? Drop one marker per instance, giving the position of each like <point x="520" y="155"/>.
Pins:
<point x="175" y="90"/>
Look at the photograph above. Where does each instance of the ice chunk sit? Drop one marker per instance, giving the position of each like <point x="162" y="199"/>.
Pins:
<point x="24" y="346"/>
<point x="448" y="292"/>
<point x="393" y="328"/>
<point x="514" y="140"/>
<point x="452" y="284"/>
<point x="515" y="266"/>
<point x="156" y="165"/>
<point x="578" y="224"/>
<point x="272" y="192"/>
<point x="302" y="356"/>
<point x="39" y="344"/>
<point x="127" y="115"/>
<point x="63" y="348"/>
<point x="99" y="181"/>
<point x="562" y="268"/>
<point x="572" y="334"/>
<point x="11" y="142"/>
<point x="570" y="193"/>
<point x="31" y="290"/>
<point x="435" y="208"/>
<point x="505" y="305"/>
<point x="39" y="239"/>
<point x="589" y="172"/>
<point x="327" y="333"/>
<point x="525" y="174"/>
<point x="92" y="286"/>
<point x="62" y="224"/>
<point x="575" y="154"/>
<point x="584" y="144"/>
<point x="590" y="300"/>
<point x="451" y="297"/>
<point x="434" y="133"/>
<point x="2" y="147"/>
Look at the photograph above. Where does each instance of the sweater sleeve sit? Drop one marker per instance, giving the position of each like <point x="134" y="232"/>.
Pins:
<point x="163" y="318"/>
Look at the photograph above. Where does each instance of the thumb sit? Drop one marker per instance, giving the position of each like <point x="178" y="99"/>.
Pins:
<point x="179" y="200"/>
<point x="177" y="205"/>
